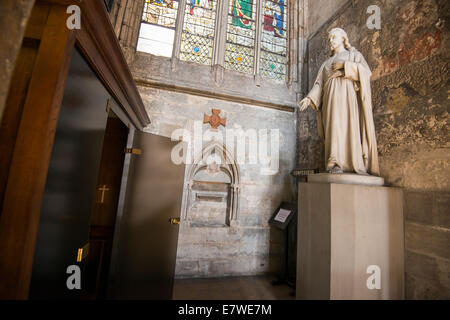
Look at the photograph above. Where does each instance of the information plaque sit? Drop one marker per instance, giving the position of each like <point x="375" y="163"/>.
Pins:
<point x="283" y="215"/>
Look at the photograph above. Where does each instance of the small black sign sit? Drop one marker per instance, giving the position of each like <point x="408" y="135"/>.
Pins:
<point x="283" y="215"/>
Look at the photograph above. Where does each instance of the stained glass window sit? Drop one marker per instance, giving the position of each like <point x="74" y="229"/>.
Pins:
<point x="197" y="38"/>
<point x="273" y="56"/>
<point x="157" y="31"/>
<point x="240" y="44"/>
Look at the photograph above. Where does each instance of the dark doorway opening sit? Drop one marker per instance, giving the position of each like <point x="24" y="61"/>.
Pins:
<point x="105" y="207"/>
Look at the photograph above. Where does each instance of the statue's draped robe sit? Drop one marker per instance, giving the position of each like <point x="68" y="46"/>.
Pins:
<point x="344" y="103"/>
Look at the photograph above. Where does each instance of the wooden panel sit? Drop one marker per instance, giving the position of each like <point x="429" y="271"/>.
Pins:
<point x="147" y="245"/>
<point x="19" y="83"/>
<point x="37" y="20"/>
<point x="26" y="182"/>
<point x="29" y="157"/>
<point x="71" y="182"/>
<point x="97" y="40"/>
<point x="110" y="173"/>
<point x="105" y="208"/>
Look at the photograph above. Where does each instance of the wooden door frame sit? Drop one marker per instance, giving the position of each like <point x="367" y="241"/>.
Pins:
<point x="19" y="220"/>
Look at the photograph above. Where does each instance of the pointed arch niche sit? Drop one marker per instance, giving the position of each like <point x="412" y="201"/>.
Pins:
<point x="211" y="188"/>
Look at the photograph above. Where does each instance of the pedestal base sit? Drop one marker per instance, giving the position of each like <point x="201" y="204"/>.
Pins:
<point x="344" y="232"/>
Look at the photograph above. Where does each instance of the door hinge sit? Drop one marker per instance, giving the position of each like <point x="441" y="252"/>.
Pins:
<point x="133" y="151"/>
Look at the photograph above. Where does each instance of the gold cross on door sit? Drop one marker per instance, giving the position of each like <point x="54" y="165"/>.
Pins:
<point x="103" y="189"/>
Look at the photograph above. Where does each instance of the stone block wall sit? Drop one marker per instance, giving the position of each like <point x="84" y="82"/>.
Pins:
<point x="409" y="58"/>
<point x="14" y="16"/>
<point x="176" y="94"/>
<point x="125" y="16"/>
<point x="248" y="246"/>
<point x="319" y="11"/>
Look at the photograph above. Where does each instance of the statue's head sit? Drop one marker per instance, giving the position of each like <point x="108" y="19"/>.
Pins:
<point x="337" y="37"/>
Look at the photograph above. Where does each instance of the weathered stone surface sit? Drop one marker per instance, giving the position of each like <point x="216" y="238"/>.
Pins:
<point x="221" y="267"/>
<point x="250" y="265"/>
<point x="148" y="70"/>
<point x="434" y="270"/>
<point x="431" y="208"/>
<point x="208" y="251"/>
<point x="441" y="209"/>
<point x="427" y="240"/>
<point x="427" y="174"/>
<point x="419" y="207"/>
<point x="251" y="220"/>
<point x="254" y="248"/>
<point x="126" y="17"/>
<point x="320" y="11"/>
<point x="255" y="234"/>
<point x="221" y="235"/>
<point x="417" y="288"/>
<point x="260" y="194"/>
<point x="187" y="267"/>
<point x="409" y="58"/>
<point x="14" y="16"/>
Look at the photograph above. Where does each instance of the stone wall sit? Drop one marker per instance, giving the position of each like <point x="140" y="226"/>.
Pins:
<point x="175" y="99"/>
<point x="409" y="58"/>
<point x="176" y="94"/>
<point x="125" y="16"/>
<point x="248" y="246"/>
<point x="14" y="15"/>
<point x="319" y="11"/>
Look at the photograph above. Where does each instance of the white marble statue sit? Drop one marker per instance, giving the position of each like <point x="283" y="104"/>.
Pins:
<point x="342" y="97"/>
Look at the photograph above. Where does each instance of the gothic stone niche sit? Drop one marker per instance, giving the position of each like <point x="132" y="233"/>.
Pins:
<point x="212" y="189"/>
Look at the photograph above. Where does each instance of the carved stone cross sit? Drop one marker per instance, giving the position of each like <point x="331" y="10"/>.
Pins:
<point x="215" y="120"/>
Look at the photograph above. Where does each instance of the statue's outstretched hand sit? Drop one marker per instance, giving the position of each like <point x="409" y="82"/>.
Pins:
<point x="303" y="105"/>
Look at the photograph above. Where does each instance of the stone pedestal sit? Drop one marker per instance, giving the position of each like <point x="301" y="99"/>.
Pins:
<point x="343" y="230"/>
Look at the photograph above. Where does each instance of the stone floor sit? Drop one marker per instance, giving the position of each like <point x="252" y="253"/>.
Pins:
<point x="236" y="288"/>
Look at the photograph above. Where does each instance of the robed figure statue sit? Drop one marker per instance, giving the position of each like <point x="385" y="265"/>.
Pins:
<point x="342" y="97"/>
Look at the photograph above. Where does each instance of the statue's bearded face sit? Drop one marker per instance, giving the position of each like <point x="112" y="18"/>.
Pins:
<point x="335" y="40"/>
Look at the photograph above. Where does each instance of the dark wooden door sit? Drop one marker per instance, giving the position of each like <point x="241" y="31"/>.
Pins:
<point x="105" y="208"/>
<point x="147" y="241"/>
<point x="71" y="182"/>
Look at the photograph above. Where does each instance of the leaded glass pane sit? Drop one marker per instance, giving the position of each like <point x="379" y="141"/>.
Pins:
<point x="197" y="38"/>
<point x="157" y="31"/>
<point x="273" y="58"/>
<point x="161" y="12"/>
<point x="240" y="44"/>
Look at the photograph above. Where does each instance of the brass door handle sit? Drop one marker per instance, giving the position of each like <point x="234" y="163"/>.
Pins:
<point x="174" y="220"/>
<point x="82" y="252"/>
